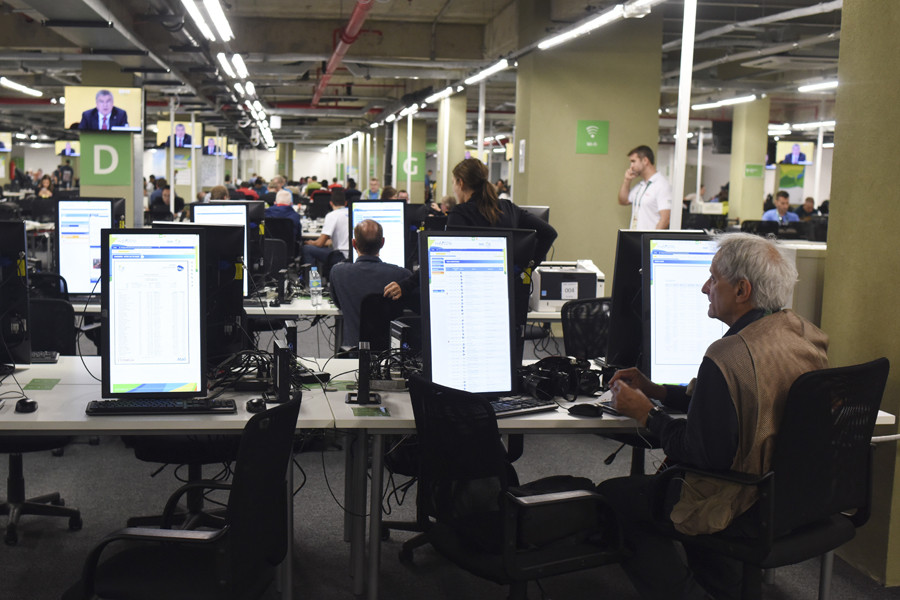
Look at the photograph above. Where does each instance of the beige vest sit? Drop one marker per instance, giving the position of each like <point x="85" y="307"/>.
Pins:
<point x="759" y="364"/>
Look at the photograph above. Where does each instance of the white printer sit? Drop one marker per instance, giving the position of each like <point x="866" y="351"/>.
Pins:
<point x="557" y="282"/>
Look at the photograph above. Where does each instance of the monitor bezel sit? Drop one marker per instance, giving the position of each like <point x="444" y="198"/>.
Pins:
<point x="114" y="203"/>
<point x="20" y="353"/>
<point x="426" y="302"/>
<point x="542" y="212"/>
<point x="646" y="299"/>
<point x="247" y="291"/>
<point x="105" y="390"/>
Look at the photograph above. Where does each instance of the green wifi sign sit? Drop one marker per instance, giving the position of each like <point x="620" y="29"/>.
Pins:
<point x="592" y="137"/>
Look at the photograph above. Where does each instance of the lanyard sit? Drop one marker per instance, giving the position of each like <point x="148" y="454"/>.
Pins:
<point x="637" y="206"/>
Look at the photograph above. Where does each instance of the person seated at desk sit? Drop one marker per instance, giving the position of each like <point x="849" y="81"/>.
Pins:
<point x="808" y="210"/>
<point x="247" y="190"/>
<point x="284" y="209"/>
<point x="45" y="189"/>
<point x="781" y="213"/>
<point x="160" y="208"/>
<point x="748" y="371"/>
<point x="351" y="282"/>
<point x="335" y="233"/>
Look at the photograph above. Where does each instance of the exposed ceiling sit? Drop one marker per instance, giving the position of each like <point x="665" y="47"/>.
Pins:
<point x="406" y="48"/>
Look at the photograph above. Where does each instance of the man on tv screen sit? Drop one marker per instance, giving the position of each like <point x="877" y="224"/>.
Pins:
<point x="795" y="157"/>
<point x="105" y="116"/>
<point x="182" y="139"/>
<point x="210" y="148"/>
<point x="68" y="150"/>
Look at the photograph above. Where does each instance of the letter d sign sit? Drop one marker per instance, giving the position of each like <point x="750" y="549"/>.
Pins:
<point x="106" y="159"/>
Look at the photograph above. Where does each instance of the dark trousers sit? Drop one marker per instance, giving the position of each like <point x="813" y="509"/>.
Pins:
<point x="656" y="566"/>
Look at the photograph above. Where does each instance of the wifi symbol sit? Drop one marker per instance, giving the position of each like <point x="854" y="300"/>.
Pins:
<point x="592" y="130"/>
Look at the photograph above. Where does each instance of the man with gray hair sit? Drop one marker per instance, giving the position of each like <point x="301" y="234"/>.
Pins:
<point x="284" y="209"/>
<point x="733" y="410"/>
<point x="350" y="283"/>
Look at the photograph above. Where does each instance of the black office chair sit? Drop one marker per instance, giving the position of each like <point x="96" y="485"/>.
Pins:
<point x="274" y="256"/>
<point x="760" y="227"/>
<point x="474" y="512"/>
<point x="319" y="204"/>
<point x="283" y="229"/>
<point x="821" y="472"/>
<point x="333" y="258"/>
<point x="47" y="285"/>
<point x="52" y="325"/>
<point x="236" y="561"/>
<point x="585" y="325"/>
<point x="375" y="315"/>
<point x="44" y="210"/>
<point x="10" y="211"/>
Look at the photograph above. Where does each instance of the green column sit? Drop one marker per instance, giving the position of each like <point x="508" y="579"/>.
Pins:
<point x="749" y="135"/>
<point x="858" y="305"/>
<point x="609" y="80"/>
<point x="451" y="141"/>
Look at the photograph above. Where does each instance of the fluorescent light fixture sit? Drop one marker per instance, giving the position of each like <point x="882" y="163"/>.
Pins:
<point x="725" y="102"/>
<point x="239" y="66"/>
<point x="19" y="87"/>
<point x="828" y="144"/>
<point x="373" y="126"/>
<point x="21" y="136"/>
<point x="779" y="132"/>
<point x="257" y="105"/>
<point x="489" y="138"/>
<point x="445" y="93"/>
<point x="62" y="99"/>
<point x="500" y="137"/>
<point x="239" y="88"/>
<point x="33" y="136"/>
<point x="215" y="12"/>
<point x="499" y="150"/>
<point x="226" y="66"/>
<point x="613" y="14"/>
<point x="470" y="142"/>
<point x="495" y="68"/>
<point x="262" y="114"/>
<point x="814" y="125"/>
<point x="818" y="87"/>
<point x="251" y="89"/>
<point x="409" y="110"/>
<point x="248" y="104"/>
<point x="390" y="118"/>
<point x="191" y="7"/>
<point x="460" y="88"/>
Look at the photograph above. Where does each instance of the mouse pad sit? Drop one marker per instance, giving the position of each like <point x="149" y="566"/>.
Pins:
<point x="41" y="384"/>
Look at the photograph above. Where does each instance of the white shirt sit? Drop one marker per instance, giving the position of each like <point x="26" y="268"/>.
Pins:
<point x="337" y="227"/>
<point x="648" y="198"/>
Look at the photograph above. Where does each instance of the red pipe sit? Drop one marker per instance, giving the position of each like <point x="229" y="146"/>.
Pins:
<point x="348" y="36"/>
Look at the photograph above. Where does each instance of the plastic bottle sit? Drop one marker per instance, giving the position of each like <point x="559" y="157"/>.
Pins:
<point x="315" y="286"/>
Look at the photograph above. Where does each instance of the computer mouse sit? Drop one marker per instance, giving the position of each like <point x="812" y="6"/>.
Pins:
<point x="255" y="405"/>
<point x="586" y="410"/>
<point x="26" y="405"/>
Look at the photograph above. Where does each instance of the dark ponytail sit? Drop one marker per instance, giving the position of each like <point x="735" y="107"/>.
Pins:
<point x="474" y="175"/>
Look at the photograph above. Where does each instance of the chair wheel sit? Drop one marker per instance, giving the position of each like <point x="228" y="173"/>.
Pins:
<point x="58" y="502"/>
<point x="12" y="537"/>
<point x="75" y="523"/>
<point x="58" y="451"/>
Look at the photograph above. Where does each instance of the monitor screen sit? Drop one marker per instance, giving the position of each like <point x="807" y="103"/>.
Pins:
<point x="153" y="313"/>
<point x="677" y="328"/>
<point x="467" y="291"/>
<point x="541" y="212"/>
<point x="103" y="108"/>
<point x="78" y="226"/>
<point x="226" y="213"/>
<point x="389" y="213"/>
<point x="15" y="341"/>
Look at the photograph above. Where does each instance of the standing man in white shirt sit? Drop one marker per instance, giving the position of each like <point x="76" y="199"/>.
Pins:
<point x="651" y="198"/>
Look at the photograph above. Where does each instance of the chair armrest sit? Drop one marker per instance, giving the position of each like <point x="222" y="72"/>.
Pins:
<point x="172" y="503"/>
<point x="731" y="476"/>
<point x="143" y="534"/>
<point x="552" y="498"/>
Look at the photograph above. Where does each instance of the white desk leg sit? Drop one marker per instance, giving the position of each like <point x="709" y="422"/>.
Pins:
<point x="358" y="514"/>
<point x="375" y="516"/>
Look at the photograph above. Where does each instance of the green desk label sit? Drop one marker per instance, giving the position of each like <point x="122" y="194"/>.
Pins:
<point x="41" y="384"/>
<point x="592" y="137"/>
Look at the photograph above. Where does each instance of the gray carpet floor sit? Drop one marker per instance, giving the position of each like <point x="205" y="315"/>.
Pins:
<point x="108" y="485"/>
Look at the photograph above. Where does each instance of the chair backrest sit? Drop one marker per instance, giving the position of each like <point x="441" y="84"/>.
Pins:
<point x="44" y="209"/>
<point x="282" y="229"/>
<point x="52" y="325"/>
<point x="759" y="227"/>
<point x="463" y="466"/>
<point x="274" y="255"/>
<point x="375" y="315"/>
<point x="319" y="204"/>
<point x="10" y="211"/>
<point x="333" y="258"/>
<point x="585" y="325"/>
<point x="821" y="459"/>
<point x="47" y="285"/>
<point x="257" y="504"/>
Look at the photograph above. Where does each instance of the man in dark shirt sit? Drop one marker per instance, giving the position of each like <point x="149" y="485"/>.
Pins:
<point x="283" y="209"/>
<point x="750" y="280"/>
<point x="351" y="282"/>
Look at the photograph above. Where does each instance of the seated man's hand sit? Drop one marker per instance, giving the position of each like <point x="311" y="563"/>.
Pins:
<point x="637" y="380"/>
<point x="630" y="402"/>
<point x="393" y="291"/>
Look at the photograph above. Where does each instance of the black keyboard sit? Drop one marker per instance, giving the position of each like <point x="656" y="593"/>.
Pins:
<point x="507" y="407"/>
<point x="44" y="356"/>
<point x="159" y="406"/>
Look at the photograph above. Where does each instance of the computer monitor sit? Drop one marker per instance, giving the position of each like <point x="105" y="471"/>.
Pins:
<point x="389" y="213"/>
<point x="541" y="212"/>
<point x="224" y="290"/>
<point x="677" y="328"/>
<point x="15" y="340"/>
<point x="467" y="310"/>
<point x="153" y="304"/>
<point x="78" y="226"/>
<point x="227" y="213"/>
